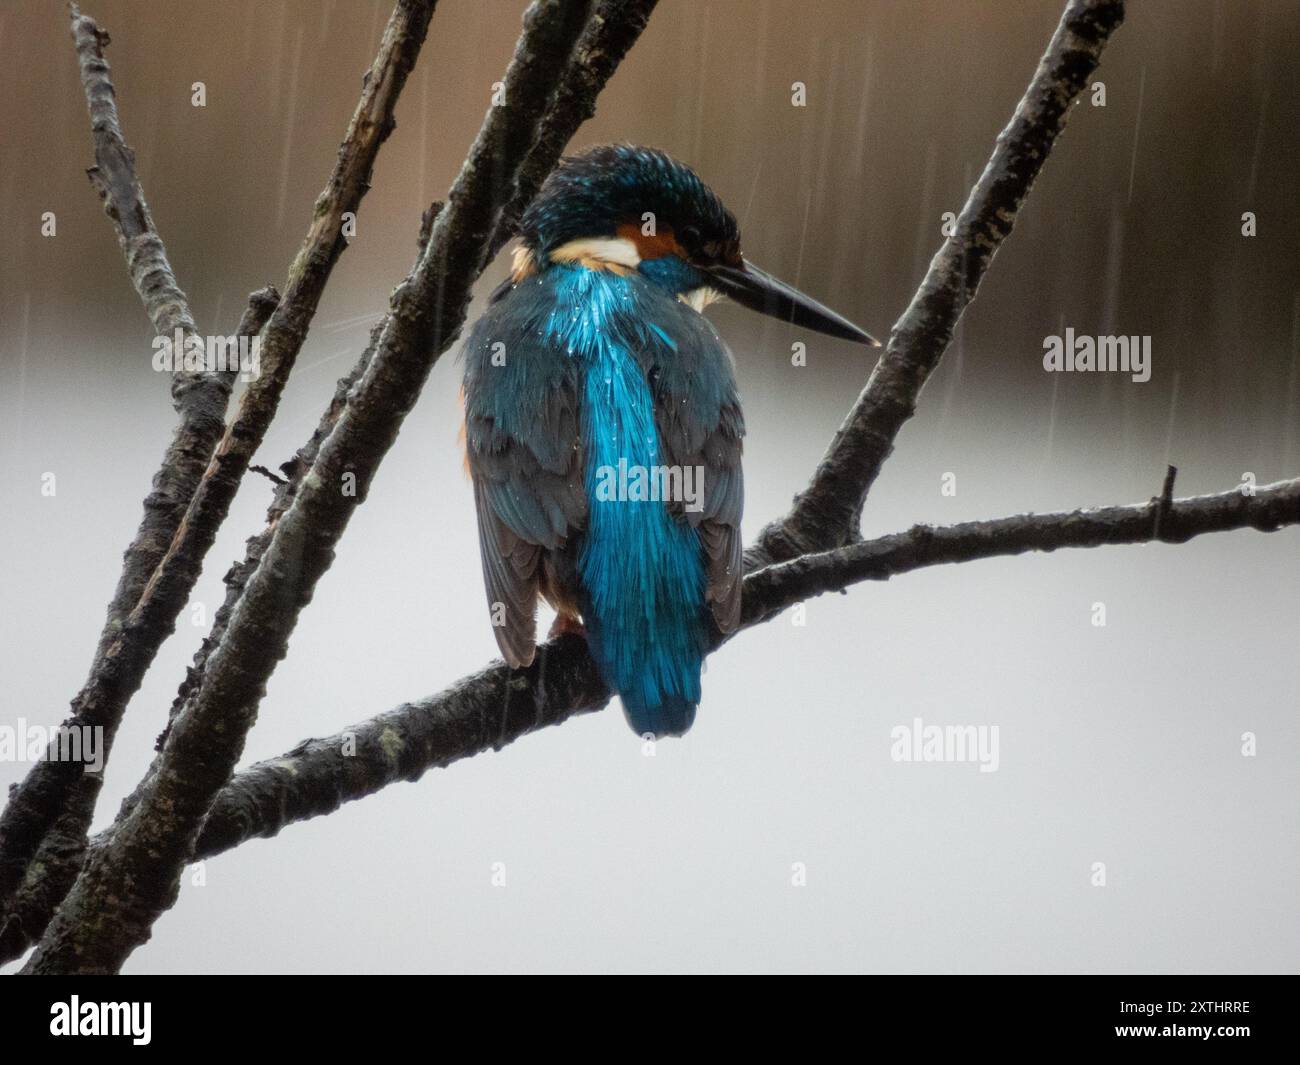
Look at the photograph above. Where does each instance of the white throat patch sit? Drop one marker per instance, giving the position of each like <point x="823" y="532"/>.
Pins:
<point x="699" y="298"/>
<point x="599" y="253"/>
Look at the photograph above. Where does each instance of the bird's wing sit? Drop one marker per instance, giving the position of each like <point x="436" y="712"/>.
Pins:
<point x="522" y="447"/>
<point x="698" y="416"/>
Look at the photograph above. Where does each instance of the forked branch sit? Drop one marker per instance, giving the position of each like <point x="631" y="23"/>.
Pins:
<point x="202" y="469"/>
<point x="199" y="398"/>
<point x="827" y="512"/>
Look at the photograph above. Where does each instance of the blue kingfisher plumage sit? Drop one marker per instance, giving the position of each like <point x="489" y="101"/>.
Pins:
<point x="603" y="427"/>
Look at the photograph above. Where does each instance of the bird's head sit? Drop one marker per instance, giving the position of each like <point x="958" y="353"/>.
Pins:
<point x="625" y="208"/>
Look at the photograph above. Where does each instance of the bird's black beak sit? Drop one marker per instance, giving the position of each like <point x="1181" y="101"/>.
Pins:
<point x="760" y="291"/>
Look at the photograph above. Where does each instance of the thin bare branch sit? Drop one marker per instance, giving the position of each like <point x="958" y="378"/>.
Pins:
<point x="262" y="471"/>
<point x="123" y="888"/>
<point x="50" y="812"/>
<point x="113" y="177"/>
<point x="372" y="122"/>
<point x="497" y="705"/>
<point x="827" y="512"/>
<point x="1159" y="520"/>
<point x="204" y="494"/>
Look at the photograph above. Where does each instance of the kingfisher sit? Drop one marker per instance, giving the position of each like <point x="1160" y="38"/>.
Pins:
<point x="603" y="426"/>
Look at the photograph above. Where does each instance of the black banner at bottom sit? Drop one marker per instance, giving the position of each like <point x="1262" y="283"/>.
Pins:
<point x="1220" y="1015"/>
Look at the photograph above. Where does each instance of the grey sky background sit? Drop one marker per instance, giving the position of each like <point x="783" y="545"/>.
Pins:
<point x="1119" y="744"/>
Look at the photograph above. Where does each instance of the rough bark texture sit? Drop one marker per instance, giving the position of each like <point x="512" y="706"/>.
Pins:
<point x="294" y="470"/>
<point x="372" y="123"/>
<point x="827" y="512"/>
<point x="123" y="888"/>
<point x="498" y="705"/>
<point x="481" y="712"/>
<point x="125" y="655"/>
<point x="1163" y="520"/>
<point x="199" y="400"/>
<point x="64" y="789"/>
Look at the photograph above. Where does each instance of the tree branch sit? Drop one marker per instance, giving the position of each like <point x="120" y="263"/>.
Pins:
<point x="827" y="512"/>
<point x="771" y="590"/>
<point x="123" y="888"/>
<point x="139" y="630"/>
<point x="50" y="812"/>
<point x="371" y="124"/>
<point x="200" y="403"/>
<point x="113" y="177"/>
<point x="497" y="705"/>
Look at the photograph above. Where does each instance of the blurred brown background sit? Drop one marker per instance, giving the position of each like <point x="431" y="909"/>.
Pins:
<point x="1118" y="744"/>
<point x="1134" y="228"/>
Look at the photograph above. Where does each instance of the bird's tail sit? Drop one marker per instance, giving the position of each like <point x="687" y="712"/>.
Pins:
<point x="640" y="568"/>
<point x="657" y="675"/>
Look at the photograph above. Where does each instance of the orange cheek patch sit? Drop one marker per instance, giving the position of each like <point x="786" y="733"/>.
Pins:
<point x="654" y="246"/>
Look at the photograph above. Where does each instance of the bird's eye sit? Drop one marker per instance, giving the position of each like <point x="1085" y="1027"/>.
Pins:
<point x="689" y="238"/>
